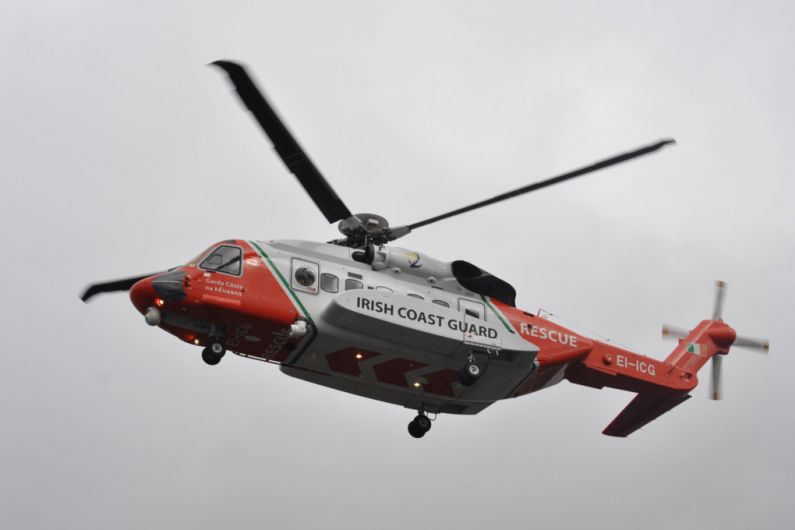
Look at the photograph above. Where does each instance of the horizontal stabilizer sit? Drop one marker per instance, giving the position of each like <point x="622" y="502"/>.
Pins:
<point x="640" y="411"/>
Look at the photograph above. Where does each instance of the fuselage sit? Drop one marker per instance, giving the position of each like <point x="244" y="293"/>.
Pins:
<point x="398" y="330"/>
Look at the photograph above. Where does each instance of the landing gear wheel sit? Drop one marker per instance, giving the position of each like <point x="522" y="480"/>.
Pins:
<point x="423" y="422"/>
<point x="469" y="374"/>
<point x="415" y="430"/>
<point x="419" y="426"/>
<point x="213" y="353"/>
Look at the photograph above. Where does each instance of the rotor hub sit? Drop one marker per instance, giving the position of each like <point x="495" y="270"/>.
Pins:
<point x="364" y="228"/>
<point x="368" y="222"/>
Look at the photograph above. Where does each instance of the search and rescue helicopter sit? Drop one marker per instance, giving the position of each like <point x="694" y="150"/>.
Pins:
<point x="392" y="324"/>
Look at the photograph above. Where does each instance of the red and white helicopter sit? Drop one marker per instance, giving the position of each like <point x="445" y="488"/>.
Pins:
<point x="396" y="325"/>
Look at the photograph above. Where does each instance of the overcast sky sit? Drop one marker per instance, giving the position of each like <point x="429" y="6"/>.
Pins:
<point x="122" y="154"/>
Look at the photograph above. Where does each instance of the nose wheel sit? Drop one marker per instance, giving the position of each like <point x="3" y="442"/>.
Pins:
<point x="419" y="425"/>
<point x="213" y="353"/>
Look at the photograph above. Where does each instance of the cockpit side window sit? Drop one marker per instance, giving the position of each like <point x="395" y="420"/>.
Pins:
<point x="226" y="259"/>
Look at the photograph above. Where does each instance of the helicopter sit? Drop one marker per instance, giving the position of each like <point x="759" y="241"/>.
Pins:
<point x="360" y="315"/>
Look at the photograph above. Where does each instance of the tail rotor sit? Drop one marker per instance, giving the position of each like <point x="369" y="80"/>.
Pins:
<point x="761" y="345"/>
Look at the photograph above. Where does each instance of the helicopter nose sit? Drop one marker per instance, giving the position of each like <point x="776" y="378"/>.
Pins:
<point x="143" y="294"/>
<point x="151" y="294"/>
<point x="171" y="285"/>
<point x="158" y="289"/>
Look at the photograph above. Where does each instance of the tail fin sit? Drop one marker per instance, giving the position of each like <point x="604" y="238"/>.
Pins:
<point x="707" y="339"/>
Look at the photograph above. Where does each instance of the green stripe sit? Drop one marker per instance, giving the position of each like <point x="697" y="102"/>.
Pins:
<point x="289" y="289"/>
<point x="283" y="280"/>
<point x="504" y="323"/>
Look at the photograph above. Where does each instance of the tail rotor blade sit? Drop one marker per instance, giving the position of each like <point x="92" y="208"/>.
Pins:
<point x="753" y="344"/>
<point x="675" y="332"/>
<point x="720" y="293"/>
<point x="715" y="391"/>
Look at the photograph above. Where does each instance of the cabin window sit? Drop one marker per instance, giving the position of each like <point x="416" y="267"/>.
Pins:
<point x="353" y="284"/>
<point x="329" y="283"/>
<point x="386" y="289"/>
<point x="473" y="309"/>
<point x="441" y="303"/>
<point x="305" y="276"/>
<point x="418" y="297"/>
<point x="226" y="259"/>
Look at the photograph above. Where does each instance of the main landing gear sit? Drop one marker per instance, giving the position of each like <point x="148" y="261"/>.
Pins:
<point x="420" y="425"/>
<point x="213" y="353"/>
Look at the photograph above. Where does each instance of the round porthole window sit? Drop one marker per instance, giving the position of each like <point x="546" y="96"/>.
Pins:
<point x="305" y="277"/>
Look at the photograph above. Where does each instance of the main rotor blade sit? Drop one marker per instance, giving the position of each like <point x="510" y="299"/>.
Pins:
<point x="293" y="156"/>
<point x="550" y="181"/>
<point x="112" y="286"/>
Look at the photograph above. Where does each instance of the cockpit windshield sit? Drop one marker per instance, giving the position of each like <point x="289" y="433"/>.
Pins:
<point x="225" y="258"/>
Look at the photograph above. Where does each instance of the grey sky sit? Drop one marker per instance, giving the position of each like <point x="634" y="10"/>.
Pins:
<point x="123" y="154"/>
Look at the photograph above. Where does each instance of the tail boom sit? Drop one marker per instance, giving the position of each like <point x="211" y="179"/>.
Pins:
<point x="660" y="385"/>
<point x="609" y="366"/>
